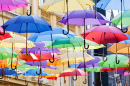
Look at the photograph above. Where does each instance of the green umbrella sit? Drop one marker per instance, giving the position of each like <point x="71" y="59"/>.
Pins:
<point x="6" y="52"/>
<point x="125" y="18"/>
<point x="95" y="69"/>
<point x="111" y="61"/>
<point x="77" y="41"/>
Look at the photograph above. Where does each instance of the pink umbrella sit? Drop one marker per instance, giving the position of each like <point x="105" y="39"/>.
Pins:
<point x="105" y="34"/>
<point x="8" y="5"/>
<point x="77" y="72"/>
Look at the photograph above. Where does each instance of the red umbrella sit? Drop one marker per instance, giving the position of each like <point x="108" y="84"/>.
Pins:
<point x="105" y="34"/>
<point x="5" y="36"/>
<point x="36" y="57"/>
<point x="105" y="69"/>
<point x="73" y="72"/>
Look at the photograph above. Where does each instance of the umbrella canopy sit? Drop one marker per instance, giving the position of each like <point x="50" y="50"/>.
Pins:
<point x="52" y="77"/>
<point x="34" y="24"/>
<point x="9" y="5"/>
<point x="91" y="63"/>
<point x="104" y="34"/>
<point x="32" y="72"/>
<point x="36" y="57"/>
<point x="75" y="42"/>
<point x="17" y="41"/>
<point x="5" y="36"/>
<point x="55" y="34"/>
<point x="6" y="71"/>
<point x="60" y="5"/>
<point x="110" y="5"/>
<point x="95" y="69"/>
<point x="6" y="63"/>
<point x="123" y="72"/>
<point x="79" y="17"/>
<point x="6" y="52"/>
<point x="111" y="61"/>
<point x="112" y="69"/>
<point x="75" y="55"/>
<point x="125" y="18"/>
<point x="72" y="72"/>
<point x="36" y="63"/>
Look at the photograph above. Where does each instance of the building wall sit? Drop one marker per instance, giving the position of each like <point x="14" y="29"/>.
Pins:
<point x="52" y="18"/>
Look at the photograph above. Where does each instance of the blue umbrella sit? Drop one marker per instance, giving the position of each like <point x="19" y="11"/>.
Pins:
<point x="55" y="34"/>
<point x="32" y="72"/>
<point x="27" y="24"/>
<point x="110" y="5"/>
<point x="5" y="71"/>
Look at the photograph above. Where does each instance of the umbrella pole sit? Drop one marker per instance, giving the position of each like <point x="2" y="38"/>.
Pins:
<point x="121" y="20"/>
<point x="84" y="35"/>
<point x="117" y="61"/>
<point x="67" y="56"/>
<point x="84" y="82"/>
<point x="95" y="9"/>
<point x="52" y="51"/>
<point x="103" y="49"/>
<point x="3" y="23"/>
<point x="12" y="59"/>
<point x="67" y="20"/>
<point x="75" y="71"/>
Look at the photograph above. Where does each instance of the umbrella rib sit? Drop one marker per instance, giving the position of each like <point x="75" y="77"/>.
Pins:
<point x="20" y="28"/>
<point x="37" y="28"/>
<point x="115" y="38"/>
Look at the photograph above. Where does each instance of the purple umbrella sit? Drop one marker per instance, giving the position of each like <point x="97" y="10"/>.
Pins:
<point x="36" y="63"/>
<point x="8" y="5"/>
<point x="83" y="18"/>
<point x="41" y="49"/>
<point x="91" y="63"/>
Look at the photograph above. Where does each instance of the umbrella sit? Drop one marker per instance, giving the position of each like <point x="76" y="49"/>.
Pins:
<point x="87" y="18"/>
<point x="32" y="72"/>
<point x="104" y="34"/>
<point x="120" y="5"/>
<point x="111" y="61"/>
<point x="36" y="63"/>
<point x="56" y="33"/>
<point x="66" y="6"/>
<point x="73" y="72"/>
<point x="16" y="41"/>
<point x="112" y="69"/>
<point x="10" y="5"/>
<point x="27" y="24"/>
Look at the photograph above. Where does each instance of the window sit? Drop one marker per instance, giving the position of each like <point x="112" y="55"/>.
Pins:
<point x="41" y="2"/>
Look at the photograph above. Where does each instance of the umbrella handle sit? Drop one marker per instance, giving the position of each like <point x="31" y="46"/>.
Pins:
<point x="125" y="30"/>
<point x="26" y="83"/>
<point x="28" y="14"/>
<point x="89" y="6"/>
<point x="104" y="60"/>
<point x="12" y="67"/>
<point x="85" y="82"/>
<point x="75" y="78"/>
<point x="3" y="24"/>
<point x="67" y="31"/>
<point x="94" y="83"/>
<point x="40" y="84"/>
<point x="117" y="61"/>
<point x="68" y="64"/>
<point x="53" y="59"/>
<point x="40" y="72"/>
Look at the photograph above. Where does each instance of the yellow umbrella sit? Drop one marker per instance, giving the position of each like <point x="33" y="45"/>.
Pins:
<point x="121" y="48"/>
<point x="61" y="5"/>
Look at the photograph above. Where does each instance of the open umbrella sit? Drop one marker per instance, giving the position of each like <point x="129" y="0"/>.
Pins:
<point x="83" y="18"/>
<point x="9" y="5"/>
<point x="16" y="41"/>
<point x="27" y="24"/>
<point x="120" y="5"/>
<point x="66" y="6"/>
<point x="104" y="34"/>
<point x="55" y="34"/>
